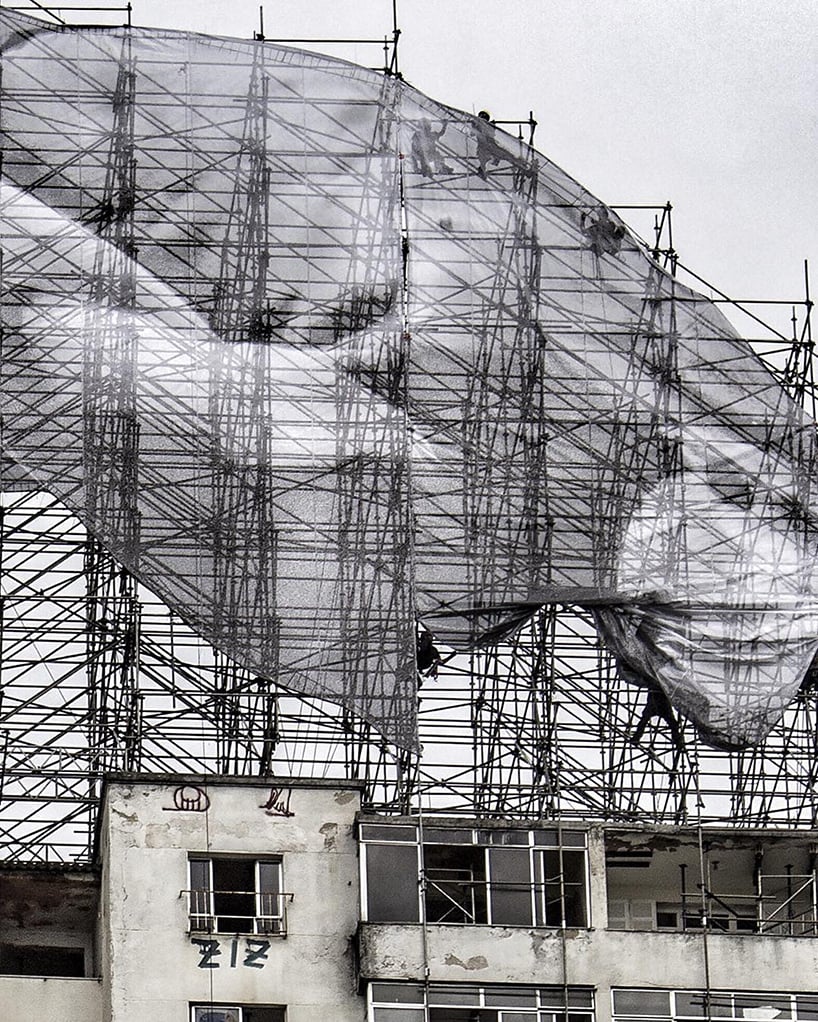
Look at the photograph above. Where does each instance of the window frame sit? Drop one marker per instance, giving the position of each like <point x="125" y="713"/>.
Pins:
<point x="728" y="1000"/>
<point x="534" y="844"/>
<point x="203" y="916"/>
<point x="380" y="840"/>
<point x="195" y="1009"/>
<point x="543" y="1003"/>
<point x="239" y="1009"/>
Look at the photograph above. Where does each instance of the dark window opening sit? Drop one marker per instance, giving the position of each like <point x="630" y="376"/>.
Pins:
<point x="667" y="919"/>
<point x="237" y="896"/>
<point x="560" y="879"/>
<point x="239" y="1013"/>
<point x="234" y="898"/>
<point x="34" y="960"/>
<point x="455" y="884"/>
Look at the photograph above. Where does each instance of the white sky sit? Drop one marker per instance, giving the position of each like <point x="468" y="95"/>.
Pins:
<point x="712" y="104"/>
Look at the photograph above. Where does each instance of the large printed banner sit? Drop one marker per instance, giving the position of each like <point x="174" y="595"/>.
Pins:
<point x="316" y="357"/>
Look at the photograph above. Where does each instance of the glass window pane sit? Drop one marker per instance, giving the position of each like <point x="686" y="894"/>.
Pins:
<point x="396" y="993"/>
<point x="264" y="1013"/>
<point x="546" y="837"/>
<point x="200" y="918"/>
<point x="217" y="1014"/>
<point x="642" y="1002"/>
<point x="392" y="883"/>
<point x="573" y="871"/>
<point x="269" y="877"/>
<point x="690" y="1005"/>
<point x="464" y="995"/>
<point x="510" y="886"/>
<point x="552" y="997"/>
<point x="721" y="1006"/>
<point x="502" y="837"/>
<point x="200" y="874"/>
<point x="378" y="832"/>
<point x="511" y="998"/>
<point x="446" y="836"/>
<point x="761" y="1007"/>
<point x="398" y="1015"/>
<point x="270" y="908"/>
<point x="806" y="1006"/>
<point x="461" y="1015"/>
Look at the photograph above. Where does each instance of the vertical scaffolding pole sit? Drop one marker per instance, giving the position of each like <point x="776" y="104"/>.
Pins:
<point x="111" y="442"/>
<point x="241" y="318"/>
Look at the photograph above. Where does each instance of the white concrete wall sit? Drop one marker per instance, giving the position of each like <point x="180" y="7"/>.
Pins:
<point x="103" y="930"/>
<point x="155" y="970"/>
<point x="36" y="999"/>
<point x="598" y="958"/>
<point x="597" y="879"/>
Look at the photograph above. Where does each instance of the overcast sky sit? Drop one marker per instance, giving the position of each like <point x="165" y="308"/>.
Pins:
<point x="712" y="104"/>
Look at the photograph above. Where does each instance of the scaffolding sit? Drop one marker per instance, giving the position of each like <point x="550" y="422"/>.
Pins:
<point x="98" y="675"/>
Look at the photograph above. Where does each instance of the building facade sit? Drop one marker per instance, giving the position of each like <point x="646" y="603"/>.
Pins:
<point x="222" y="900"/>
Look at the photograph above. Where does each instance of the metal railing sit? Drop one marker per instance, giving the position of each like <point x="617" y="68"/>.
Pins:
<point x="787" y="908"/>
<point x="268" y="915"/>
<point x="457" y="896"/>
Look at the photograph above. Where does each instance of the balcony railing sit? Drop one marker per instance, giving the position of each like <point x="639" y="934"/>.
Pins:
<point x="238" y="912"/>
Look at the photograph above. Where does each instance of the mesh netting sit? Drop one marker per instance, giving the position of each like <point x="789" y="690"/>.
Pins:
<point x="315" y="356"/>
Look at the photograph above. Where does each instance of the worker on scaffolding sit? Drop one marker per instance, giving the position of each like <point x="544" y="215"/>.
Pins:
<point x="657" y="707"/>
<point x="428" y="656"/>
<point x="427" y="158"/>
<point x="604" y="235"/>
<point x="488" y="149"/>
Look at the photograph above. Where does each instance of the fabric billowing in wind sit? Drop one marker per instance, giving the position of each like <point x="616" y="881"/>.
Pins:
<point x="315" y="356"/>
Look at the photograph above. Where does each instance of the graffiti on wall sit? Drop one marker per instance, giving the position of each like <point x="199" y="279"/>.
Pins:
<point x="253" y="954"/>
<point x="278" y="803"/>
<point x="188" y="798"/>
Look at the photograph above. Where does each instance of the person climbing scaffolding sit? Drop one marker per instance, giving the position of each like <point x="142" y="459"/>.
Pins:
<point x="427" y="158"/>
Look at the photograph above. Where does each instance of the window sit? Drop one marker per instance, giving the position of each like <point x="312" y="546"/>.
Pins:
<point x="35" y="960"/>
<point x="455" y="884"/>
<point x="680" y="1005"/>
<point x="505" y="877"/>
<point x="237" y="895"/>
<point x="406" y="1002"/>
<point x="237" y="1013"/>
<point x="391" y="874"/>
<point x="639" y="914"/>
<point x="559" y="874"/>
